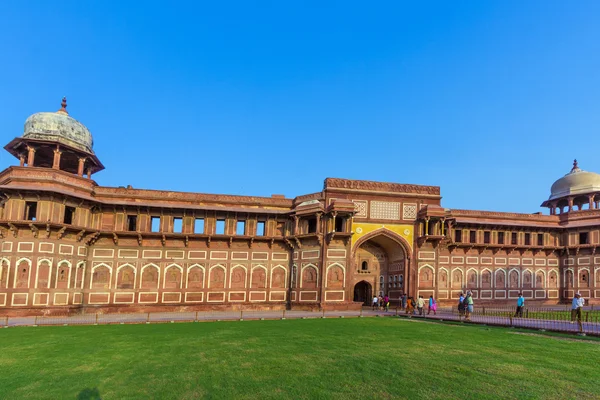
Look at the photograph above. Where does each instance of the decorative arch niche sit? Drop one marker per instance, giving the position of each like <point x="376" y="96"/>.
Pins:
<point x="63" y="275"/>
<point x="150" y="277"/>
<point x="173" y="277"/>
<point x="258" y="277"/>
<point x="237" y="278"/>
<point x="195" y="277"/>
<point x="310" y="276"/>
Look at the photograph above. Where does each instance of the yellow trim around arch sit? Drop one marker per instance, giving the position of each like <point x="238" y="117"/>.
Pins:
<point x="366" y="228"/>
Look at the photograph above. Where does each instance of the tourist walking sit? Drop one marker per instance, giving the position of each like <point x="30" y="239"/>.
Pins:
<point x="420" y="304"/>
<point x="461" y="305"/>
<point x="469" y="306"/>
<point x="520" y="306"/>
<point x="404" y="299"/>
<point x="380" y="299"/>
<point x="386" y="303"/>
<point x="432" y="306"/>
<point x="576" y="307"/>
<point x="410" y="306"/>
<point x="375" y="300"/>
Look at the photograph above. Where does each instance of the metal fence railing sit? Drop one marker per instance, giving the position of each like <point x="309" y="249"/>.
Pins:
<point x="551" y="319"/>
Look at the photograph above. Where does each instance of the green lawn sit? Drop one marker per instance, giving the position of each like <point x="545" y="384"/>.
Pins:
<point x="368" y="358"/>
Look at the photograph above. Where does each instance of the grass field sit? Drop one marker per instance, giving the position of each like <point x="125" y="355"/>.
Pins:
<point x="368" y="358"/>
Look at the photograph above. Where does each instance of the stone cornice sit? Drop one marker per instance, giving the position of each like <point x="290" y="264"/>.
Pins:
<point x="371" y="186"/>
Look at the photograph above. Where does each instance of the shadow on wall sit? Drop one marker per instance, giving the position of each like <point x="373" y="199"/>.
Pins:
<point x="89" y="394"/>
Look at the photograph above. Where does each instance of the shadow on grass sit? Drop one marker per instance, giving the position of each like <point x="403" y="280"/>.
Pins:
<point x="89" y="394"/>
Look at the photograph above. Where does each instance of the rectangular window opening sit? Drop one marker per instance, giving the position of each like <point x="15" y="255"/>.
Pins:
<point x="472" y="236"/>
<point x="132" y="223"/>
<point x="220" y="227"/>
<point x="260" y="228"/>
<point x="155" y="224"/>
<point x="240" y="228"/>
<point x="583" y="238"/>
<point x="486" y="237"/>
<point x="199" y="225"/>
<point x="513" y="238"/>
<point x="69" y="213"/>
<point x="311" y="225"/>
<point x="500" y="237"/>
<point x="31" y="210"/>
<point x="527" y="239"/>
<point x="540" y="239"/>
<point x="339" y="224"/>
<point x="177" y="225"/>
<point x="458" y="236"/>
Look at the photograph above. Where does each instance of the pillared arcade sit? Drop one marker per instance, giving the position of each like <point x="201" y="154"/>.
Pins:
<point x="68" y="244"/>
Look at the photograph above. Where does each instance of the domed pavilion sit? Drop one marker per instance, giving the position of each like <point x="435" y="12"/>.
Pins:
<point x="576" y="191"/>
<point x="56" y="140"/>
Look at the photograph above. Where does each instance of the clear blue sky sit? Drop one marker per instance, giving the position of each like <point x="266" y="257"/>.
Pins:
<point x="491" y="100"/>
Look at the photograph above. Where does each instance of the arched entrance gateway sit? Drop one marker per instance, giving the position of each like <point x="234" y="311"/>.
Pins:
<point x="381" y="261"/>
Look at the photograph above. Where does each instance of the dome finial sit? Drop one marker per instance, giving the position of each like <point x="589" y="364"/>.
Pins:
<point x="63" y="106"/>
<point x="575" y="165"/>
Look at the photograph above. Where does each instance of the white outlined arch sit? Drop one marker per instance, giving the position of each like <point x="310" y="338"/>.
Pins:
<point x="508" y="285"/>
<point x="531" y="274"/>
<point x="343" y="274"/>
<point x="17" y="264"/>
<point x="252" y="273"/>
<point x="110" y="274"/>
<point x="503" y="272"/>
<point x="432" y="274"/>
<point x="579" y="271"/>
<point x="565" y="281"/>
<point x="476" y="277"/>
<point x="557" y="274"/>
<point x="462" y="276"/>
<point x="245" y="275"/>
<point x="545" y="279"/>
<point x="37" y="272"/>
<point x="285" y="275"/>
<point x="126" y="265"/>
<point x="310" y="265"/>
<point x="187" y="277"/>
<point x="58" y="265"/>
<point x="444" y="269"/>
<point x="177" y="266"/>
<point x="224" y="274"/>
<point x="7" y="270"/>
<point x="481" y="277"/>
<point x="157" y="273"/>
<point x="82" y="265"/>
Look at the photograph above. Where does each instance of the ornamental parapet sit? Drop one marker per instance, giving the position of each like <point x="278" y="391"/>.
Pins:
<point x="371" y="186"/>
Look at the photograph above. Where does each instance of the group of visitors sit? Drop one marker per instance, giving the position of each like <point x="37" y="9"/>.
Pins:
<point x="381" y="303"/>
<point x="412" y="306"/>
<point x="465" y="305"/>
<point x="576" y="307"/>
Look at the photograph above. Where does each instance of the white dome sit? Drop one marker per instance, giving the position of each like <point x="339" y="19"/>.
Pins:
<point x="59" y="127"/>
<point x="575" y="182"/>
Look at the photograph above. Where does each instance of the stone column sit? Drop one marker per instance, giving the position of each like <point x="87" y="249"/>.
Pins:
<point x="591" y="201"/>
<point x="56" y="161"/>
<point x="30" y="156"/>
<point x="89" y="173"/>
<point x="426" y="226"/>
<point x="21" y="160"/>
<point x="570" y="204"/>
<point x="81" y="165"/>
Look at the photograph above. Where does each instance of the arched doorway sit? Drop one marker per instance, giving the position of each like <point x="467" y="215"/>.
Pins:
<point x="363" y="293"/>
<point x="381" y="258"/>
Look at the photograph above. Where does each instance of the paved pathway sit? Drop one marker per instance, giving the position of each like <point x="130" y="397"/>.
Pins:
<point x="165" y="317"/>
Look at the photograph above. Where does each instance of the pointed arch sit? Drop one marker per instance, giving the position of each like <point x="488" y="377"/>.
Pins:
<point x="145" y="282"/>
<point x="171" y="279"/>
<point x="329" y="281"/>
<point x="583" y="277"/>
<point x="94" y="278"/>
<point x="424" y="279"/>
<point x="483" y="272"/>
<point x="60" y="278"/>
<point x="386" y="233"/>
<point x="510" y="282"/>
<point x="258" y="277"/>
<point x="194" y="278"/>
<point x="22" y="275"/>
<point x="126" y="280"/>
<point x="470" y="282"/>
<point x="569" y="272"/>
<point x="217" y="276"/>
<point x="500" y="271"/>
<point x="238" y="279"/>
<point x="80" y="271"/>
<point x="443" y="277"/>
<point x="457" y="272"/>
<point x="40" y="263"/>
<point x="544" y="281"/>
<point x="285" y="277"/>
<point x="306" y="278"/>
<point x="524" y="275"/>
<point x="4" y="271"/>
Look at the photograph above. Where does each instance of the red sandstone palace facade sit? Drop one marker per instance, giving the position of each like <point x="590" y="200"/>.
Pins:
<point x="70" y="245"/>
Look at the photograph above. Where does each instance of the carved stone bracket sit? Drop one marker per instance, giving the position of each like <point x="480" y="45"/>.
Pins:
<point x="61" y="232"/>
<point x="251" y="242"/>
<point x="48" y="231"/>
<point x="230" y="241"/>
<point x="80" y="235"/>
<point x="13" y="229"/>
<point x="289" y="243"/>
<point x="140" y="239"/>
<point x="91" y="238"/>
<point x="115" y="238"/>
<point x="34" y="230"/>
<point x="163" y="240"/>
<point x="208" y="241"/>
<point x="186" y="241"/>
<point x="298" y="242"/>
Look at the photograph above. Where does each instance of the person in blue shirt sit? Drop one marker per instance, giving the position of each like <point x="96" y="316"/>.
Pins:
<point x="520" y="306"/>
